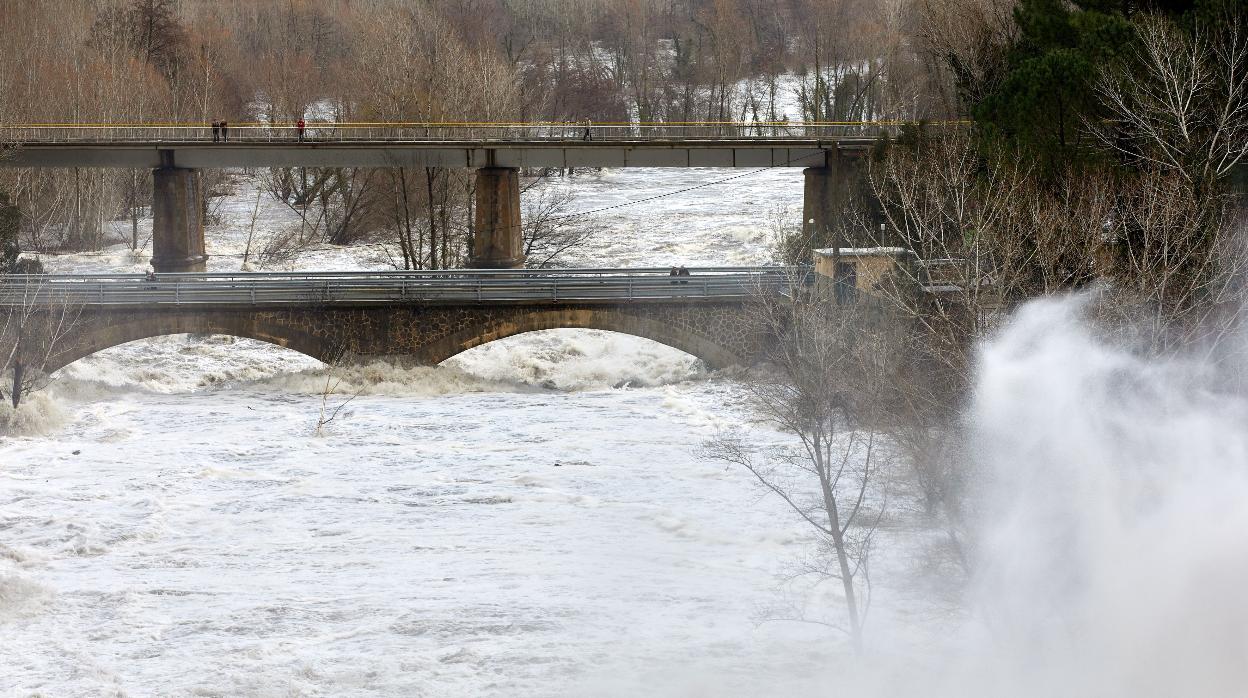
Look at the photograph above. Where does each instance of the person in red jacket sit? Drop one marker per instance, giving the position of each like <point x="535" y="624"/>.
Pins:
<point x="299" y="126"/>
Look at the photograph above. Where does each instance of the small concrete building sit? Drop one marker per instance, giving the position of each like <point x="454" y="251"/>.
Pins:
<point x="863" y="269"/>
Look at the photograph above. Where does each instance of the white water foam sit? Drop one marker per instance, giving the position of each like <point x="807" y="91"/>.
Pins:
<point x="1114" y="557"/>
<point x="515" y="523"/>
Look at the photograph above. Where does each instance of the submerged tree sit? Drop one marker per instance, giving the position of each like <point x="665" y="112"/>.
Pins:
<point x="827" y="368"/>
<point x="35" y="325"/>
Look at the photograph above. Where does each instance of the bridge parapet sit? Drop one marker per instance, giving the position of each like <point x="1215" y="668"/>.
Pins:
<point x="335" y="132"/>
<point x="493" y="287"/>
<point x="425" y="317"/>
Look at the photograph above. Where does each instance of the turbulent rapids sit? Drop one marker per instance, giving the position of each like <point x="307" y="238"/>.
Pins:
<point x="530" y="515"/>
<point x="533" y="517"/>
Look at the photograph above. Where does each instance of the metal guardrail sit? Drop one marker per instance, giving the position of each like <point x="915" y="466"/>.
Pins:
<point x="389" y="288"/>
<point x="335" y="132"/>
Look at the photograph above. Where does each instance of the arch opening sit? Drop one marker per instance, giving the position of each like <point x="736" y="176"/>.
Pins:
<point x="712" y="353"/>
<point x="572" y="359"/>
<point x="182" y="362"/>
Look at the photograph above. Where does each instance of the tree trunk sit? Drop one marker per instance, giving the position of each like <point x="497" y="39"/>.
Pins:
<point x="18" y="374"/>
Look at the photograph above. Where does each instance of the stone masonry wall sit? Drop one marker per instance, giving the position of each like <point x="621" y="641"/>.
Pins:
<point x="718" y="332"/>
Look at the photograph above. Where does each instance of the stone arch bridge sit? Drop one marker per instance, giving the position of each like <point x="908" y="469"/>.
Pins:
<point x="427" y="318"/>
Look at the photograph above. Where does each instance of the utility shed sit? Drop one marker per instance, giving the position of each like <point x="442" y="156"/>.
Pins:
<point x="861" y="269"/>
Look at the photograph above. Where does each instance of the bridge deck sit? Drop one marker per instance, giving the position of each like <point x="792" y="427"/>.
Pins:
<point x="606" y="286"/>
<point x="434" y="145"/>
<point x="382" y="154"/>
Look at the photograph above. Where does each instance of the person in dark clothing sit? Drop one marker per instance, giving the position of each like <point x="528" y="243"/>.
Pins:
<point x="588" y="136"/>
<point x="224" y="132"/>
<point x="684" y="272"/>
<point x="299" y="126"/>
<point x="674" y="273"/>
<point x="216" y="131"/>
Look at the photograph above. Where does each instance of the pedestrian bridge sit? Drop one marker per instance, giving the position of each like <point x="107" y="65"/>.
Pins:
<point x="427" y="317"/>
<point x="498" y="152"/>
<point x="195" y="146"/>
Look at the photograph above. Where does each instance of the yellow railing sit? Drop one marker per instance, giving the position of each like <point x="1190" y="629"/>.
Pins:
<point x="449" y="131"/>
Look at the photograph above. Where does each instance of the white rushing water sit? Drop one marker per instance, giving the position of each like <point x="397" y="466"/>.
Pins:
<point x="532" y="517"/>
<point x="1116" y="503"/>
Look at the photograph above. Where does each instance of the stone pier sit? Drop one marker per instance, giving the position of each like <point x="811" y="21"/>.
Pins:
<point x="177" y="225"/>
<point x="499" y="240"/>
<point x="826" y="197"/>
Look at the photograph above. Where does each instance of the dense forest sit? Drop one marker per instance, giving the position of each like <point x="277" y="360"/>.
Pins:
<point x="1093" y="92"/>
<point x="194" y="61"/>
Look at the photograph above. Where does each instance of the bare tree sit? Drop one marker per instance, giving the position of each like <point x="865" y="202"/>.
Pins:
<point x="976" y="235"/>
<point x="1179" y="101"/>
<point x="550" y="231"/>
<point x="965" y="43"/>
<point x="35" y="323"/>
<point x="251" y="230"/>
<point x="329" y="411"/>
<point x="828" y="367"/>
<point x="1175" y="264"/>
<point x="981" y="233"/>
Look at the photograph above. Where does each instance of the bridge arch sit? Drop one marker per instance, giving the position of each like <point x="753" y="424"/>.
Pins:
<point x="713" y="353"/>
<point x="717" y="333"/>
<point x="97" y="339"/>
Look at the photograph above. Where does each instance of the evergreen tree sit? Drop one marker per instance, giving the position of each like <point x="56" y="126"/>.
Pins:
<point x="1046" y="91"/>
<point x="10" y="222"/>
<point x="1044" y="95"/>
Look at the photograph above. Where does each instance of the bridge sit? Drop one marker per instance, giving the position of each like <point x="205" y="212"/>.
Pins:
<point x="427" y="317"/>
<point x="177" y="153"/>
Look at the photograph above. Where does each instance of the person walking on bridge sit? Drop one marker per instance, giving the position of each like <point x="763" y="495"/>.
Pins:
<point x="299" y="126"/>
<point x="224" y="132"/>
<point x="674" y="273"/>
<point x="216" y="131"/>
<point x="683" y="272"/>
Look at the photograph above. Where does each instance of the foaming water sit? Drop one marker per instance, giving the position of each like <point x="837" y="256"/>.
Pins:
<point x="543" y="528"/>
<point x="1114" y="498"/>
<point x="483" y="543"/>
<point x="558" y="360"/>
<point x="573" y="360"/>
<point x="41" y="412"/>
<point x="178" y="363"/>
<point x="20" y="596"/>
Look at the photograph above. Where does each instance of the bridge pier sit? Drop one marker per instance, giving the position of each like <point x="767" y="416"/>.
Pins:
<point x="826" y="198"/>
<point x="177" y="220"/>
<point x="498" y="242"/>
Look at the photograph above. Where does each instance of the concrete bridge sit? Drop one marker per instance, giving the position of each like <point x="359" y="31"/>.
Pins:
<point x="427" y="317"/>
<point x="176" y="154"/>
